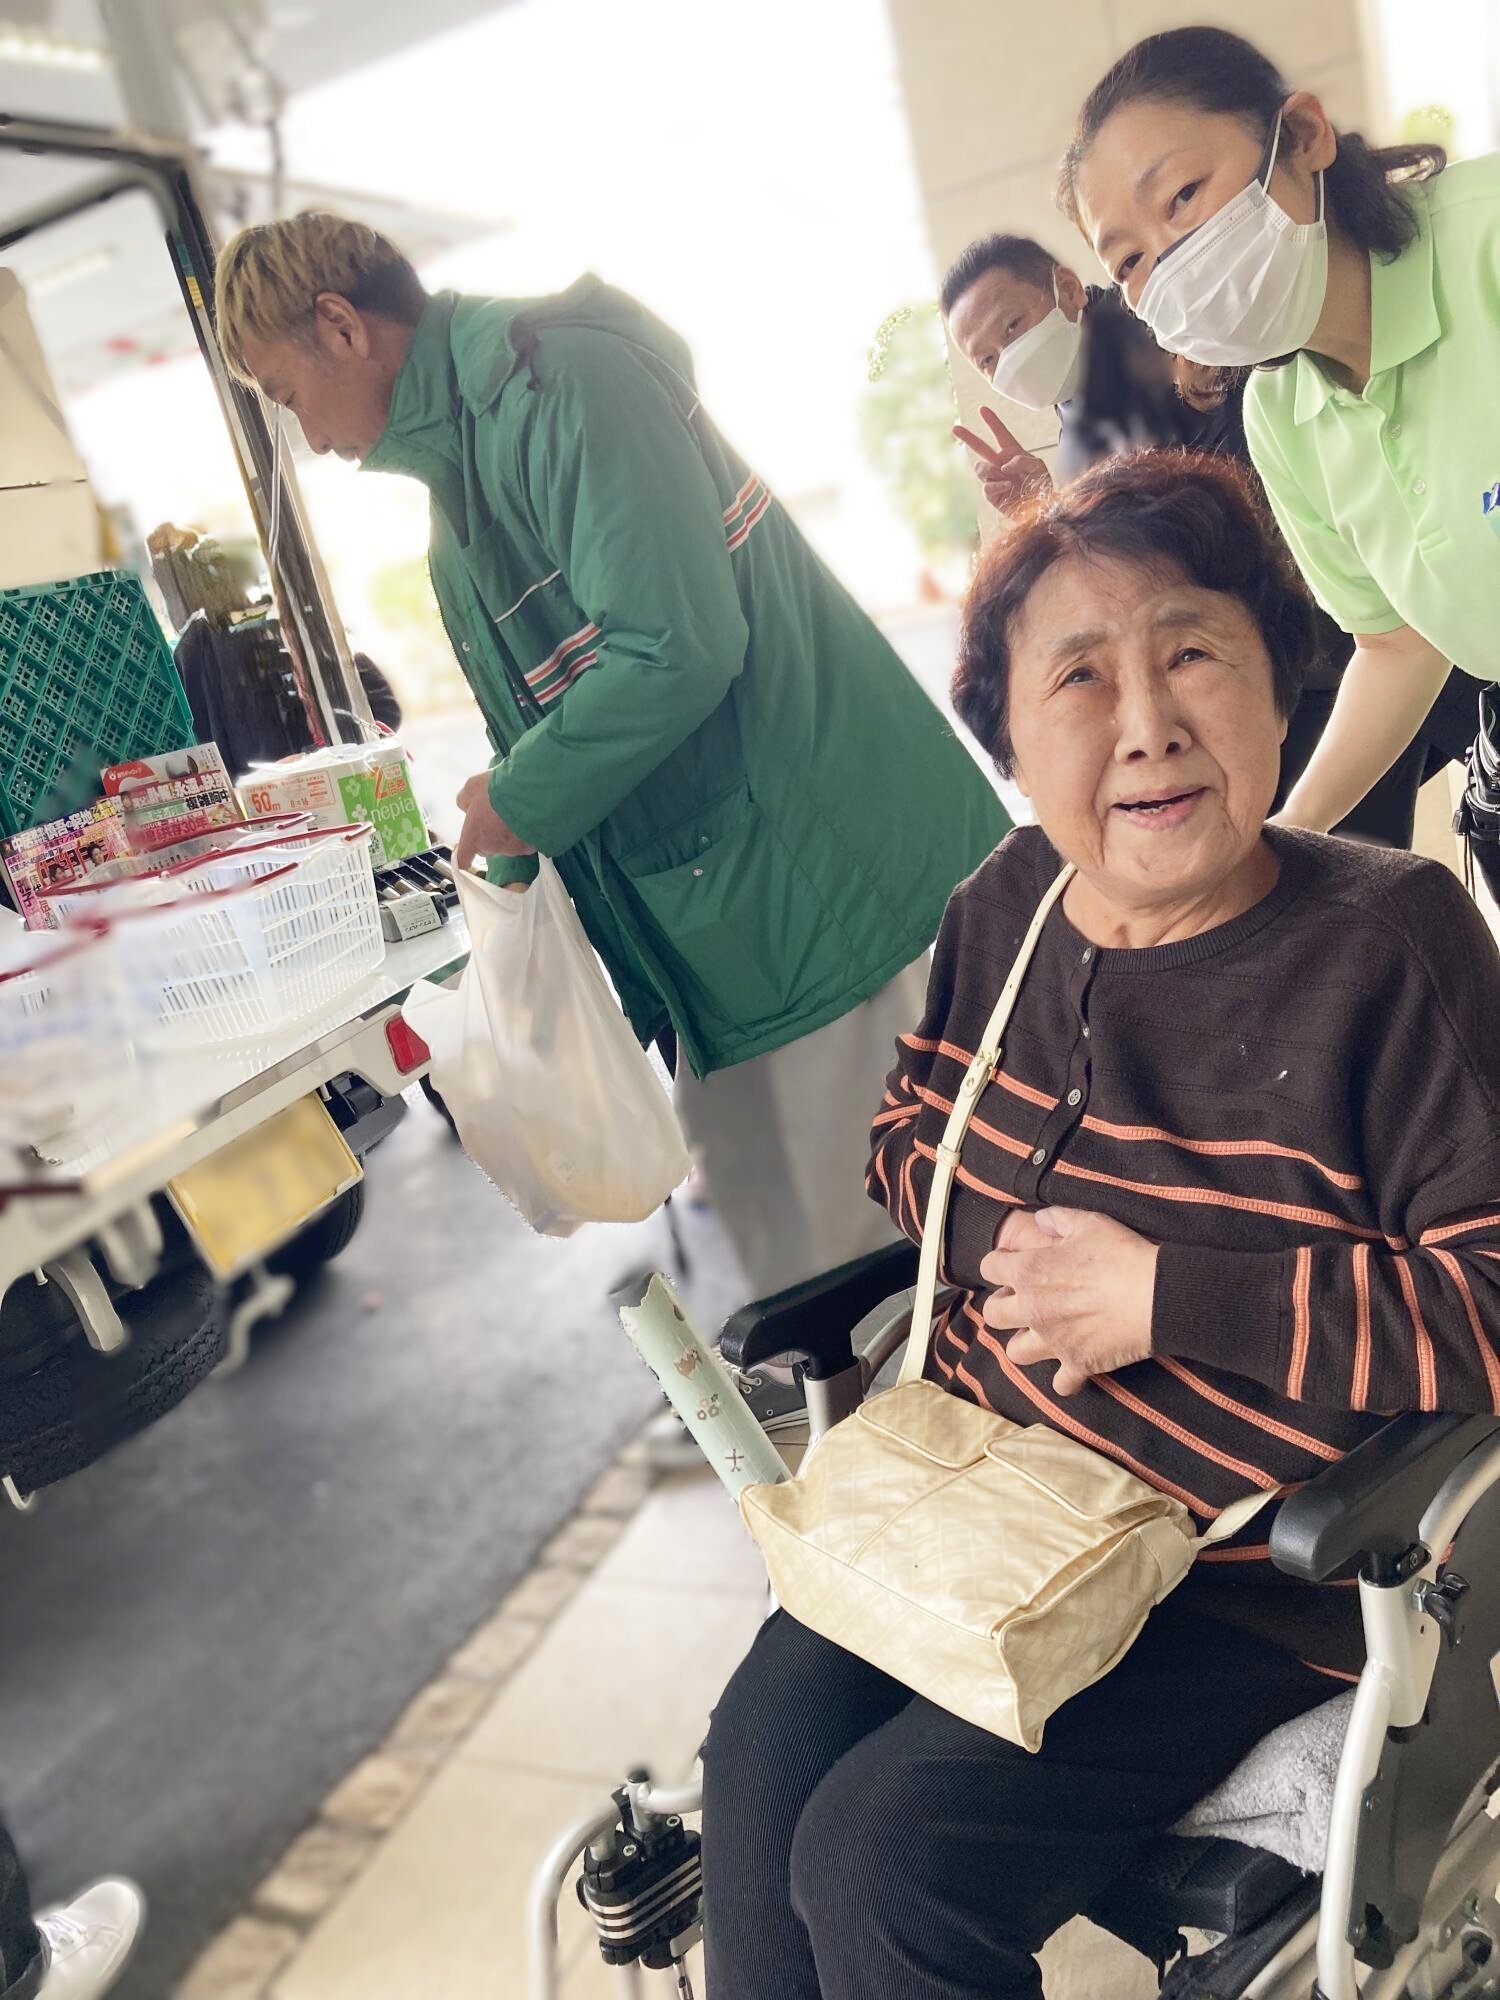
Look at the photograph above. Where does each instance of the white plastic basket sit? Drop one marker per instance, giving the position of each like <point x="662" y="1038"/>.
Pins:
<point x="137" y="880"/>
<point x="65" y="1050"/>
<point x="273" y="935"/>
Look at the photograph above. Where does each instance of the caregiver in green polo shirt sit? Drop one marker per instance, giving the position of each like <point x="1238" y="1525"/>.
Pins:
<point x="757" y="812"/>
<point x="1363" y="288"/>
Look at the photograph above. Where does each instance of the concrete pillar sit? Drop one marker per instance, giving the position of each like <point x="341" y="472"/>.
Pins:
<point x="992" y="88"/>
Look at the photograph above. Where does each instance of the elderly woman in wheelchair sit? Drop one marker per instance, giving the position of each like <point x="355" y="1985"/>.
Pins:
<point x="1229" y="1203"/>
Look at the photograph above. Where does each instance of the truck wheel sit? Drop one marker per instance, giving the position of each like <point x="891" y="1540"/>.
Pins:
<point x="322" y="1240"/>
<point x="63" y="1404"/>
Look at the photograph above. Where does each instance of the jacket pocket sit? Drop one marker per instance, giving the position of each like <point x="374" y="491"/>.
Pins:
<point x="736" y="923"/>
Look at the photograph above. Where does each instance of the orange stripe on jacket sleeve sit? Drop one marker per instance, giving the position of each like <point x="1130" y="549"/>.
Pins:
<point x="1487" y="1355"/>
<point x="1426" y="1366"/>
<point x="1301" y="1322"/>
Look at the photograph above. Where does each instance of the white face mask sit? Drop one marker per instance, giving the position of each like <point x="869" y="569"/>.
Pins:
<point x="1043" y="366"/>
<point x="1243" y="287"/>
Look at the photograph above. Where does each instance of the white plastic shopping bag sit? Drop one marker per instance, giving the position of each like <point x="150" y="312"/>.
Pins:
<point x="551" y="1092"/>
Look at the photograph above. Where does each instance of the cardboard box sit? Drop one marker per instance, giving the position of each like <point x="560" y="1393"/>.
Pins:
<point x="49" y="524"/>
<point x="350" y="785"/>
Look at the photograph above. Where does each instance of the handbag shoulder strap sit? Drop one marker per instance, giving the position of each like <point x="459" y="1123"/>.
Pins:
<point x="969" y="1092"/>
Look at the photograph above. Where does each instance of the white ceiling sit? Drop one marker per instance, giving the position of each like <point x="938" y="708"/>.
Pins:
<point x="103" y="293"/>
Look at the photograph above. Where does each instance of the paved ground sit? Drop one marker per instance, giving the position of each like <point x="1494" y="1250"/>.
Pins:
<point x="204" y="1632"/>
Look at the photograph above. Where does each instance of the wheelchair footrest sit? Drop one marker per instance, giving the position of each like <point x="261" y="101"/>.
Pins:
<point x="1193" y="1884"/>
<point x="1226" y="1971"/>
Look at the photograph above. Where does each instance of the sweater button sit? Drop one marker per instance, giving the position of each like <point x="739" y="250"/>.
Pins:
<point x="1088" y="954"/>
<point x="1039" y="1157"/>
<point x="696" y="873"/>
<point x="1075" y="1097"/>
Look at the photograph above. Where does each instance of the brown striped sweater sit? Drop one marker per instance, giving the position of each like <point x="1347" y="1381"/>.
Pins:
<point x="1302" y="1106"/>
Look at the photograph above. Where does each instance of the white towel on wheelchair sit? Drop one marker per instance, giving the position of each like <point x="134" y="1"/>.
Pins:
<point x="1280" y="1797"/>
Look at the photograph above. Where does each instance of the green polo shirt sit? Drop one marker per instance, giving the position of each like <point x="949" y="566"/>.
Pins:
<point x="1391" y="499"/>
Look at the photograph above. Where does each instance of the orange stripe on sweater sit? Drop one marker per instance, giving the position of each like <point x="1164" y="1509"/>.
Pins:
<point x="901" y="1115"/>
<point x="1426" y="1366"/>
<point x="1359" y="1388"/>
<point x="1455" y="1271"/>
<point x="1333" y="1673"/>
<point x="961" y="1173"/>
<point x="1019" y="1089"/>
<point x="1449" y="1230"/>
<point x="1081" y="1431"/>
<point x="1254" y="1473"/>
<point x="1318" y="1218"/>
<point x="908" y="1188"/>
<point x="1258" y="1418"/>
<point x="992" y="1133"/>
<point x="1301" y="1322"/>
<point x="1226" y="1149"/>
<point x="971" y="1382"/>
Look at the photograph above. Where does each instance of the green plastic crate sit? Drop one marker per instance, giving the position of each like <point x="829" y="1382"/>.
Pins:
<point x="85" y="680"/>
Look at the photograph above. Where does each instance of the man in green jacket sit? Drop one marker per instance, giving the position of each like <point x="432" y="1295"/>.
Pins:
<point x="757" y="812"/>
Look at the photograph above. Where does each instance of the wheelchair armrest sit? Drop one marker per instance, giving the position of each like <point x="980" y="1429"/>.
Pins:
<point x="1371" y="1502"/>
<point x="813" y="1321"/>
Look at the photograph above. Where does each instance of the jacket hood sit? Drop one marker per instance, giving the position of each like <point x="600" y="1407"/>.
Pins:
<point x="494" y="338"/>
<point x="466" y="351"/>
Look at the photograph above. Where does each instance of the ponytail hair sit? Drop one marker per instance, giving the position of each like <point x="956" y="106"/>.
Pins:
<point x="1213" y="70"/>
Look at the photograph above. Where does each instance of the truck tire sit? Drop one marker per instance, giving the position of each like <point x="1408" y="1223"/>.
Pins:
<point x="63" y="1404"/>
<point x="324" y="1239"/>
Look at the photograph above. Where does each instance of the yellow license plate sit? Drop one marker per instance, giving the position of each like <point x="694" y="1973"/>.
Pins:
<point x="245" y="1201"/>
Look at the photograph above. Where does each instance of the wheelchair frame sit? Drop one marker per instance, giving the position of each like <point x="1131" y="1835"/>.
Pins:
<point x="1403" y="1505"/>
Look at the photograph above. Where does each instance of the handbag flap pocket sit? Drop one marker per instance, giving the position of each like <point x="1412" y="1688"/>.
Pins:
<point x="1085" y="1483"/>
<point x="926" y="1420"/>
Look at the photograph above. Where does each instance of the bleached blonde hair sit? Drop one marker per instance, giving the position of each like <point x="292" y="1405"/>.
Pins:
<point x="271" y="276"/>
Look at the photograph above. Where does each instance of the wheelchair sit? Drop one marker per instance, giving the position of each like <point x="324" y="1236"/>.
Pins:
<point x="1406" y="1906"/>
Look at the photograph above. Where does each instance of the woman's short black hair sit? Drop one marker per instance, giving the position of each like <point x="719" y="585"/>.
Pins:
<point x="1022" y="256"/>
<point x="1172" y="510"/>
<point x="1214" y="70"/>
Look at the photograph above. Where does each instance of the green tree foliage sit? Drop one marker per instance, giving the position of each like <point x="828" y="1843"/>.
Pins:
<point x="906" y="422"/>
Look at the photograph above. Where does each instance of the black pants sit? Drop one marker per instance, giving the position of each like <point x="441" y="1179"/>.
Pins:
<point x="1451" y="727"/>
<point x="20" y="1946"/>
<point x="860" y="1843"/>
<point x="1388" y="810"/>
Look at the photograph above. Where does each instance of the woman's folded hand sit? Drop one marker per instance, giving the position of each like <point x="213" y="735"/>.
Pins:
<point x="1073" y="1288"/>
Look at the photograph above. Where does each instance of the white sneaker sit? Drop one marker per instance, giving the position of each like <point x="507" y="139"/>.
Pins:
<point x="89" y="1939"/>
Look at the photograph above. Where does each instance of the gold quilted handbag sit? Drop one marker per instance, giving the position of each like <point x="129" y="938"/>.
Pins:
<point x="995" y="1568"/>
